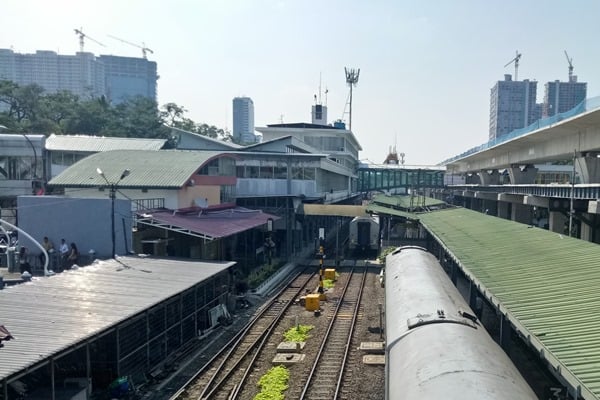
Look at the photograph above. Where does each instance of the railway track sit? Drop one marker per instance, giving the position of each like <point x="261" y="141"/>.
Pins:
<point x="325" y="378"/>
<point x="224" y="375"/>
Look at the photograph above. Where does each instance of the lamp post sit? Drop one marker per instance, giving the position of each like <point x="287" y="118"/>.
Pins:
<point x="113" y="191"/>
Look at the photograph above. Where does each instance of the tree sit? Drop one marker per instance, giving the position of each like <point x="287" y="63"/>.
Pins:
<point x="28" y="109"/>
<point x="172" y="114"/>
<point x="137" y="117"/>
<point x="22" y="101"/>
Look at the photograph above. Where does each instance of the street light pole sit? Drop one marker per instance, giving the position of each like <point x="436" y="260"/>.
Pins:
<point x="113" y="195"/>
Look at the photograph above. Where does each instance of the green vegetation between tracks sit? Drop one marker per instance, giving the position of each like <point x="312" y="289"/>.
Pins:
<point x="298" y="333"/>
<point x="273" y="384"/>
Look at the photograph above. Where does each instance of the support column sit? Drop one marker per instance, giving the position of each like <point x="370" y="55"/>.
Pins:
<point x="521" y="176"/>
<point x="588" y="168"/>
<point x="557" y="221"/>
<point x="503" y="209"/>
<point x="505" y="331"/>
<point x="521" y="213"/>
<point x="489" y="177"/>
<point x="453" y="272"/>
<point x="472" y="179"/>
<point x="586" y="231"/>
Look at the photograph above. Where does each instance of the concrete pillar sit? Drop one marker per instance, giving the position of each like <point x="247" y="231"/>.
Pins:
<point x="521" y="213"/>
<point x="490" y="207"/>
<point x="476" y="205"/>
<point x="489" y="177"/>
<point x="505" y="331"/>
<point x="586" y="231"/>
<point x="454" y="273"/>
<point x="556" y="222"/>
<point x="472" y="179"/>
<point x="522" y="176"/>
<point x="503" y="208"/>
<point x="588" y="168"/>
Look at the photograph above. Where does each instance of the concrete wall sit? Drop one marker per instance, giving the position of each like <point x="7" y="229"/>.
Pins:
<point x="85" y="222"/>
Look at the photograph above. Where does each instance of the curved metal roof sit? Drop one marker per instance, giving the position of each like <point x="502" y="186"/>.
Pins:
<point x="93" y="144"/>
<point x="165" y="168"/>
<point x="544" y="282"/>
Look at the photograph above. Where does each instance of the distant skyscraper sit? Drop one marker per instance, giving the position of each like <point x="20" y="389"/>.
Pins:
<point x="243" y="120"/>
<point x="563" y="96"/>
<point x="128" y="77"/>
<point x="83" y="74"/>
<point x="80" y="74"/>
<point x="512" y="106"/>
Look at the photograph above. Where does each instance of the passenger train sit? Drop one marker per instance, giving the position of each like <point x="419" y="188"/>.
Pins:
<point x="364" y="234"/>
<point x="435" y="346"/>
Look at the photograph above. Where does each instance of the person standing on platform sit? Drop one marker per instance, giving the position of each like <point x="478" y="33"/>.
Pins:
<point x="73" y="257"/>
<point x="23" y="260"/>
<point x="48" y="246"/>
<point x="64" y="253"/>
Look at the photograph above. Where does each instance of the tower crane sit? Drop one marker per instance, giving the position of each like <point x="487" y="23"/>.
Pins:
<point x="142" y="46"/>
<point x="82" y="35"/>
<point x="570" y="61"/>
<point x="516" y="61"/>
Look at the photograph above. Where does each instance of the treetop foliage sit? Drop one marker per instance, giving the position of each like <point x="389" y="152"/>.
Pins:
<point x="29" y="109"/>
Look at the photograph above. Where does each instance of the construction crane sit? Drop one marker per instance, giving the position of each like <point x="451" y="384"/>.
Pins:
<point x="142" y="46"/>
<point x="82" y="35"/>
<point x="570" y="61"/>
<point x="516" y="61"/>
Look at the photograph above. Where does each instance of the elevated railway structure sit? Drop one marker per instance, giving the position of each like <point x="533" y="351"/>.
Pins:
<point x="573" y="135"/>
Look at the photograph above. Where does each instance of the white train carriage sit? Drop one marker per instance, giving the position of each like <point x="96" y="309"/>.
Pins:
<point x="364" y="234"/>
<point x="435" y="346"/>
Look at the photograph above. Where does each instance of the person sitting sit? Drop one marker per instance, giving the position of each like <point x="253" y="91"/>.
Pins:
<point x="73" y="256"/>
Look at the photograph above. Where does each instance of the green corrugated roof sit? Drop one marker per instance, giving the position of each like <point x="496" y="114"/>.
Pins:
<point x="406" y="200"/>
<point x="377" y="209"/>
<point x="547" y="282"/>
<point x="342" y="210"/>
<point x="164" y="168"/>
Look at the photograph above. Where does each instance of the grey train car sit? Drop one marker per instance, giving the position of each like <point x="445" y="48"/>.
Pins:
<point x="435" y="347"/>
<point x="364" y="234"/>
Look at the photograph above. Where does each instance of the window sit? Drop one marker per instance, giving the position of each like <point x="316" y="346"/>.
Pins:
<point x="228" y="194"/>
<point x="266" y="172"/>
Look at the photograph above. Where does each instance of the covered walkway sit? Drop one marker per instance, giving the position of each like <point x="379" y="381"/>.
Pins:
<point x="544" y="284"/>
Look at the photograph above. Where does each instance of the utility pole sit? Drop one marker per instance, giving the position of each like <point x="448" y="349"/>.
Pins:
<point x="113" y="194"/>
<point x="571" y="208"/>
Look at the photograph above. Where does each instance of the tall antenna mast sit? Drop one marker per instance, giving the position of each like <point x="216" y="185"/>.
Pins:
<point x="320" y="88"/>
<point x="351" y="80"/>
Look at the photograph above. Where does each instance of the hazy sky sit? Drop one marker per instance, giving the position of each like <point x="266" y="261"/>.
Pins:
<point x="426" y="67"/>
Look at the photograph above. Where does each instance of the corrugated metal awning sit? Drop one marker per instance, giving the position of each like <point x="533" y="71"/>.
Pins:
<point x="333" y="210"/>
<point x="207" y="225"/>
<point x="377" y="209"/>
<point x="51" y="314"/>
<point x="546" y="284"/>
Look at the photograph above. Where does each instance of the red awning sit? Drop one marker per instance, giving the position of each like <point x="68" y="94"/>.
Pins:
<point x="208" y="225"/>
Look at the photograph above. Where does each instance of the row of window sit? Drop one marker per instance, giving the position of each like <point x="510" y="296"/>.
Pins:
<point x="273" y="172"/>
